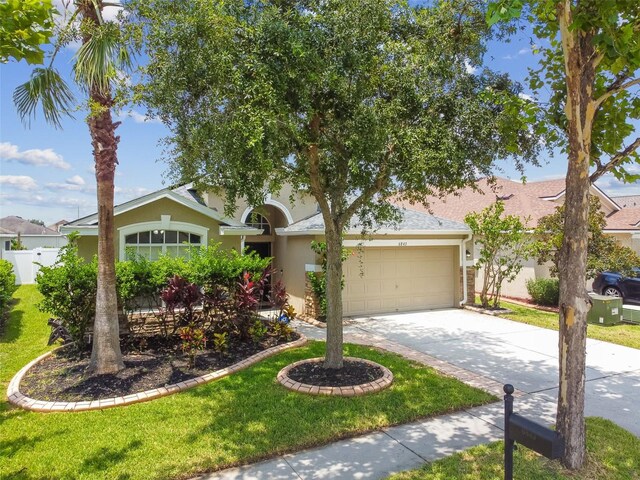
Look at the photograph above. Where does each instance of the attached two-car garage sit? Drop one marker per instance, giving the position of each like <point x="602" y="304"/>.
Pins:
<point x="383" y="280"/>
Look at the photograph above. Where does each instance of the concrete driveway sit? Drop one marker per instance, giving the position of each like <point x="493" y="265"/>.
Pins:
<point x="523" y="355"/>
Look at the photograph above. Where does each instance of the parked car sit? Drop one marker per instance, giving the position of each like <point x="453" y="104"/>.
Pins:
<point x="617" y="285"/>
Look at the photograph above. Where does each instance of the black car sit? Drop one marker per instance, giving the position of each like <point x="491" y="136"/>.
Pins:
<point x="617" y="285"/>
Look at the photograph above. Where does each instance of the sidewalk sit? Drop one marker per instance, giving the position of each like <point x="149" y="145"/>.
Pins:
<point x="379" y="454"/>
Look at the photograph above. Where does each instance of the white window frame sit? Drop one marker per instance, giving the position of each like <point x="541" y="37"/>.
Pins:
<point x="165" y="223"/>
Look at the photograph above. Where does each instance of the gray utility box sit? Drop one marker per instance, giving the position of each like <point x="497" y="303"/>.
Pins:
<point x="605" y="310"/>
<point x="631" y="314"/>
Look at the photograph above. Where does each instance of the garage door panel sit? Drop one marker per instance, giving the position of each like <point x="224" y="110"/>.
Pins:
<point x="403" y="279"/>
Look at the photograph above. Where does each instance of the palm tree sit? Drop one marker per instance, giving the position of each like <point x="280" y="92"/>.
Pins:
<point x="96" y="66"/>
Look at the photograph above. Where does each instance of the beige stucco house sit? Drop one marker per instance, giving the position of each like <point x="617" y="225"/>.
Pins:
<point x="413" y="265"/>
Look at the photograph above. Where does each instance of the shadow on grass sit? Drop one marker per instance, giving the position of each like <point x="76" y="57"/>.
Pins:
<point x="106" y="457"/>
<point x="8" y="448"/>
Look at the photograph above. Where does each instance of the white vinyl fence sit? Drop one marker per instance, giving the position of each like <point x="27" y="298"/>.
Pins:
<point x="26" y="263"/>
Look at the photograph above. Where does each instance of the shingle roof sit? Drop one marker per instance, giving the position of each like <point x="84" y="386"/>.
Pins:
<point x="518" y="200"/>
<point x="625" y="219"/>
<point x="412" y="220"/>
<point x="628" y="201"/>
<point x="13" y="224"/>
<point x="187" y="191"/>
<point x="522" y="200"/>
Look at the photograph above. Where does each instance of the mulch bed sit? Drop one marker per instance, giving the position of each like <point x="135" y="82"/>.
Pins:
<point x="63" y="377"/>
<point x="351" y="374"/>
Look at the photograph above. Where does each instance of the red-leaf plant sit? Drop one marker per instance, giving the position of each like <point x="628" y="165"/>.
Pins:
<point x="181" y="299"/>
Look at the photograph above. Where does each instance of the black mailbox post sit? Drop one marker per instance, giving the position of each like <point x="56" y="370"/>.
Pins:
<point x="530" y="434"/>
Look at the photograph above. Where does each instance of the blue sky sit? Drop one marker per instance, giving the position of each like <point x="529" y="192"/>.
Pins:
<point x="48" y="174"/>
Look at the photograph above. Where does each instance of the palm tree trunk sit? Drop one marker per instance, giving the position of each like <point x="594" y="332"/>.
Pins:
<point x="106" y="356"/>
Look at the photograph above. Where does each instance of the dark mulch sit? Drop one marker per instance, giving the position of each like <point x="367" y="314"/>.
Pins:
<point x="156" y="363"/>
<point x="352" y="373"/>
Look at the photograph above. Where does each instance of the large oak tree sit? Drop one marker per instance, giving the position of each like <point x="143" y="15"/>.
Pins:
<point x="352" y="101"/>
<point x="591" y="66"/>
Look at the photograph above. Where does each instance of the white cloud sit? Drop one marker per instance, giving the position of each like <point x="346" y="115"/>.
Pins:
<point x="521" y="52"/>
<point x="137" y="117"/>
<point x="526" y="96"/>
<point x="76" y="180"/>
<point x="613" y="187"/>
<point x="470" y="68"/>
<point x="36" y="156"/>
<point x="524" y="51"/>
<point x="21" y="182"/>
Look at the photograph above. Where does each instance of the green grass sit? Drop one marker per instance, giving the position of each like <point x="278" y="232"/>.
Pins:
<point x="239" y="419"/>
<point x="624" y="334"/>
<point x="613" y="454"/>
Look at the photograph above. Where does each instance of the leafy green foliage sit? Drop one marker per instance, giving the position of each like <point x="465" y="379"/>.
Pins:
<point x="193" y="341"/>
<point x="16" y="244"/>
<point x="68" y="288"/>
<point x="504" y="246"/>
<point x="7" y="284"/>
<point x="354" y="102"/>
<point x="604" y="252"/>
<point x="544" y="291"/>
<point x="25" y="25"/>
<point x="612" y="28"/>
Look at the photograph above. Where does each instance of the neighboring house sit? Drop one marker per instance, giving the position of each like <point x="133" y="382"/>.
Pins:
<point x="413" y="265"/>
<point x="31" y="235"/>
<point x="56" y="226"/>
<point x="530" y="202"/>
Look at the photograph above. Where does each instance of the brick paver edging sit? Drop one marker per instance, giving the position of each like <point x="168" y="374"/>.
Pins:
<point x="17" y="398"/>
<point x="385" y="381"/>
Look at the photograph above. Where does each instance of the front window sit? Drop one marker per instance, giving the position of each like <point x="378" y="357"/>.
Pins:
<point x="153" y="243"/>
<point x="257" y="220"/>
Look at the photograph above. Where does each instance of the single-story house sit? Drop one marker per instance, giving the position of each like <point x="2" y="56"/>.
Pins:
<point x="413" y="265"/>
<point x="530" y="202"/>
<point x="31" y="234"/>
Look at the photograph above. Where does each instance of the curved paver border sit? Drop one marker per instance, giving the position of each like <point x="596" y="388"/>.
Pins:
<point x="28" y="403"/>
<point x="385" y="381"/>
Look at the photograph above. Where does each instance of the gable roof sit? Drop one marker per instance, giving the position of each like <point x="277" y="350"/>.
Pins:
<point x="183" y="195"/>
<point x="413" y="222"/>
<point x="15" y="225"/>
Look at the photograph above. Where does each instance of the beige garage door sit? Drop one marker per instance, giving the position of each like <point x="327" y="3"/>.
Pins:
<point x="398" y="279"/>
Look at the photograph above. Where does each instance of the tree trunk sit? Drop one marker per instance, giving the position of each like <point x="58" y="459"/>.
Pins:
<point x="574" y="301"/>
<point x="334" y="355"/>
<point x="106" y="356"/>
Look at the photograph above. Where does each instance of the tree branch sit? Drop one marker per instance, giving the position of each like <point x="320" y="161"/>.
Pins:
<point x="614" y="161"/>
<point x="615" y="87"/>
<point x="368" y="193"/>
<point x="315" y="183"/>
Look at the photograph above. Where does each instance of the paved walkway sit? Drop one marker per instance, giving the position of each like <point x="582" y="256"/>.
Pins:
<point x="480" y="350"/>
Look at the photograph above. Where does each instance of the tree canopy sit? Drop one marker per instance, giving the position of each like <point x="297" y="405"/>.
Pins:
<point x="604" y="253"/>
<point x="25" y="26"/>
<point x="355" y="102"/>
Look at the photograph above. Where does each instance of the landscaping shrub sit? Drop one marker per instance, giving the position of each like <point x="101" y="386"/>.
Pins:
<point x="69" y="291"/>
<point x="544" y="291"/>
<point x="7" y="284"/>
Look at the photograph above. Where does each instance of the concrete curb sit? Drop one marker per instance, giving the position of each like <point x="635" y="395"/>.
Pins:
<point x="349" y="391"/>
<point x="17" y="398"/>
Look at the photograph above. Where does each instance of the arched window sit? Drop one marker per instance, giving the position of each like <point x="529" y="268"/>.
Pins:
<point x="152" y="243"/>
<point x="257" y="220"/>
<point x="152" y="239"/>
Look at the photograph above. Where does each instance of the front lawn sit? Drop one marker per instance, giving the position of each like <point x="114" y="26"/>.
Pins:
<point x="624" y="334"/>
<point x="239" y="419"/>
<point x="613" y="454"/>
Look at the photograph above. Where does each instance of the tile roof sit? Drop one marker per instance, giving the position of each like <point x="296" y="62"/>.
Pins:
<point x="13" y="224"/>
<point x="412" y="220"/>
